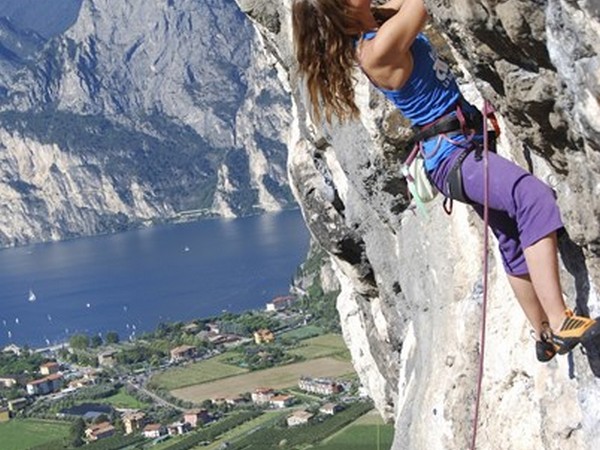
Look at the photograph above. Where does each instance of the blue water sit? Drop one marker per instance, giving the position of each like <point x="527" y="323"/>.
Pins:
<point x="129" y="282"/>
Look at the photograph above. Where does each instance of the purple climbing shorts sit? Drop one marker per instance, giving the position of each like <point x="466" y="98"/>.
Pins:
<point x="523" y="209"/>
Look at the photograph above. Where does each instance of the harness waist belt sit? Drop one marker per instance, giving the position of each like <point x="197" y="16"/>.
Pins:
<point x="447" y="124"/>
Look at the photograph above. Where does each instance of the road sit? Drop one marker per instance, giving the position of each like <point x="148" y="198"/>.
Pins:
<point x="161" y="401"/>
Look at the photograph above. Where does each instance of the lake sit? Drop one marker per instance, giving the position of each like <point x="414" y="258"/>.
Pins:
<point x="129" y="282"/>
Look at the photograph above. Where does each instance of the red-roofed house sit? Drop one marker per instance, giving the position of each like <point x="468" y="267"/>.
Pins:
<point x="281" y="401"/>
<point x="49" y="368"/>
<point x="46" y="385"/>
<point x="153" y="430"/>
<point x="299" y="418"/>
<point x="195" y="416"/>
<point x="100" y="431"/>
<point x="280" y="303"/>
<point x="261" y="396"/>
<point x="183" y="352"/>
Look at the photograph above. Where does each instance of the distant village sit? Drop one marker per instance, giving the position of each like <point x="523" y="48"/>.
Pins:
<point x="73" y="387"/>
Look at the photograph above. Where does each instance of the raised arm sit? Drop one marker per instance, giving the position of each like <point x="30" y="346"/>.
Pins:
<point x="386" y="10"/>
<point x="396" y="35"/>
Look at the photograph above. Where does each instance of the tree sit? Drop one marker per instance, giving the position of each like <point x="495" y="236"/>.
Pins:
<point x="112" y="337"/>
<point x="76" y="432"/>
<point x="95" y="341"/>
<point x="79" y="341"/>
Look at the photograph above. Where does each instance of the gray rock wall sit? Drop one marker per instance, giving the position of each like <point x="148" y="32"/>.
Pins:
<point x="411" y="297"/>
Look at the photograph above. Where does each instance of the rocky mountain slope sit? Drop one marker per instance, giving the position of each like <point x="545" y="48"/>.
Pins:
<point x="139" y="112"/>
<point x="411" y="288"/>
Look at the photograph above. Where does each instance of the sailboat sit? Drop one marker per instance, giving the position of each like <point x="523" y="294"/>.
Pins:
<point x="32" y="297"/>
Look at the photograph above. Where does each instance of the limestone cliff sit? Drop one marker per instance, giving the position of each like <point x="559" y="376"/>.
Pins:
<point x="411" y="289"/>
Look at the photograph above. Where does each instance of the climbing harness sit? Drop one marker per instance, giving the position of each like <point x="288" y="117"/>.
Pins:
<point x="488" y="113"/>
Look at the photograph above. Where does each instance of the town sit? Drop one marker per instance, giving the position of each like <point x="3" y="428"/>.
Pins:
<point x="277" y="378"/>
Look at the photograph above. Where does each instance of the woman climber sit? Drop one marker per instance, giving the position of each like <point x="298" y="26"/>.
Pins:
<point x="332" y="37"/>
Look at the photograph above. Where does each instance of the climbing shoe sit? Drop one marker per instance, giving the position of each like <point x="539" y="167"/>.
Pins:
<point x="544" y="348"/>
<point x="575" y="329"/>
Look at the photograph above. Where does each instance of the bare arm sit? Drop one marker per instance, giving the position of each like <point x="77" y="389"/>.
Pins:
<point x="397" y="34"/>
<point x="386" y="58"/>
<point x="392" y="4"/>
<point x="386" y="10"/>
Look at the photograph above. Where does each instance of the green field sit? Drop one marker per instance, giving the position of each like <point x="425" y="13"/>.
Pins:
<point x="321" y="346"/>
<point x="196" y="373"/>
<point x="24" y="434"/>
<point x="123" y="400"/>
<point x="301" y="333"/>
<point x="244" y="429"/>
<point x="276" y="378"/>
<point x="367" y="433"/>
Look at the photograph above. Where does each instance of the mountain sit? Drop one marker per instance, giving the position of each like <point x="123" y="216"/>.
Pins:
<point x="410" y="300"/>
<point x="140" y="112"/>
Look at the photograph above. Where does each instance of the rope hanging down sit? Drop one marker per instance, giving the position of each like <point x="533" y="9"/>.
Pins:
<point x="488" y="111"/>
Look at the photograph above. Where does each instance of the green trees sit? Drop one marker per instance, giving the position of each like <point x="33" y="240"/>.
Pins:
<point x="76" y="433"/>
<point x="79" y="341"/>
<point x="95" y="341"/>
<point x="112" y="337"/>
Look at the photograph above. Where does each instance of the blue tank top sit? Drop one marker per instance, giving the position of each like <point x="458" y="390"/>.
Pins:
<point x="430" y="92"/>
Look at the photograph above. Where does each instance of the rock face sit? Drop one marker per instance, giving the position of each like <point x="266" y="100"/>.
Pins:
<point x="411" y="286"/>
<point x="140" y="111"/>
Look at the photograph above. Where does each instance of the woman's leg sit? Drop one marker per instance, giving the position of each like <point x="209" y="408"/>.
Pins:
<point x="524" y="218"/>
<point x="527" y="298"/>
<point x="542" y="261"/>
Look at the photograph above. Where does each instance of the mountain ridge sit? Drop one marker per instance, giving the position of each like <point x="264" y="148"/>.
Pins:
<point x="174" y="105"/>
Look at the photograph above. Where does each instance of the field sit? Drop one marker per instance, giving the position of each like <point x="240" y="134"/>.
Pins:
<point x="244" y="429"/>
<point x="196" y="373"/>
<point x="24" y="434"/>
<point x="367" y="433"/>
<point x="123" y="400"/>
<point x="321" y="346"/>
<point x="276" y="378"/>
<point x="301" y="333"/>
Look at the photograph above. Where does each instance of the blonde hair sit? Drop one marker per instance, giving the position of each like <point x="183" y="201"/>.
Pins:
<point x="324" y="33"/>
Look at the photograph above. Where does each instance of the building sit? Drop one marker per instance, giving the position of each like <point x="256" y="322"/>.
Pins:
<point x="196" y="416"/>
<point x="100" y="431"/>
<point x="46" y="385"/>
<point x="49" y="368"/>
<point x="282" y="401"/>
<point x="263" y="335"/>
<point x="153" y="430"/>
<point x="261" y="396"/>
<point x="234" y="401"/>
<point x="322" y="386"/>
<point x="191" y="328"/>
<point x="299" y="418"/>
<point x="133" y="421"/>
<point x="178" y="428"/>
<point x="280" y="303"/>
<point x="330" y="408"/>
<point x="9" y="381"/>
<point x="107" y="358"/>
<point x="12" y="348"/>
<point x="81" y="382"/>
<point x="183" y="353"/>
<point x="4" y="414"/>
<point x="17" y="404"/>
